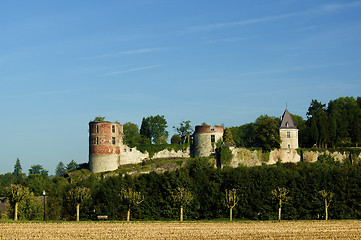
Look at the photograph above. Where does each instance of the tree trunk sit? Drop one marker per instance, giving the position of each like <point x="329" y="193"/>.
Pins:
<point x="181" y="213"/>
<point x="77" y="212"/>
<point x="326" y="210"/>
<point x="128" y="215"/>
<point x="279" y="214"/>
<point x="230" y="214"/>
<point x="16" y="211"/>
<point x="280" y="210"/>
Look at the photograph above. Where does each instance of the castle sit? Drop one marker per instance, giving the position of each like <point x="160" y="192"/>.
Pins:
<point x="107" y="150"/>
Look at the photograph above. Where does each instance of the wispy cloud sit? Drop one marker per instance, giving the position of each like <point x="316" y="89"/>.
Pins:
<point x="128" y="52"/>
<point x="322" y="9"/>
<point x="57" y="92"/>
<point x="132" y="70"/>
<point x="295" y="68"/>
<point x="340" y="5"/>
<point x="230" y="40"/>
<point x="216" y="26"/>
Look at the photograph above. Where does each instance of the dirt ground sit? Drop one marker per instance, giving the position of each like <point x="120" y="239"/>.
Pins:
<point x="187" y="230"/>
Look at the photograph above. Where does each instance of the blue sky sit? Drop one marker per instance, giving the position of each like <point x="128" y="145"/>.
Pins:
<point x="221" y="62"/>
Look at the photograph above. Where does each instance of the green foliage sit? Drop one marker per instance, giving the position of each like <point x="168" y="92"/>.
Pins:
<point x="60" y="169"/>
<point x="16" y="194"/>
<point x="208" y="186"/>
<point x="154" y="148"/>
<point x="29" y="208"/>
<point x="184" y="131"/>
<point x="154" y="128"/>
<point x="38" y="169"/>
<point x="132" y="136"/>
<point x="176" y="139"/>
<point x="225" y="155"/>
<point x="17" y="169"/>
<point x="267" y="133"/>
<point x="182" y="196"/>
<point x="326" y="158"/>
<point x="230" y="198"/>
<point x="99" y="119"/>
<point x="219" y="142"/>
<point x="6" y="180"/>
<point x="130" y="198"/>
<point x="71" y="166"/>
<point x="338" y="124"/>
<point x="227" y="136"/>
<point x="78" y="194"/>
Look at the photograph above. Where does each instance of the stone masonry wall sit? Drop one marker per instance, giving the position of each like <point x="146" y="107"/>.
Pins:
<point x="251" y="158"/>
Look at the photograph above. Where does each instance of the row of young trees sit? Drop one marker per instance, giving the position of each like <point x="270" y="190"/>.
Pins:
<point x="250" y="193"/>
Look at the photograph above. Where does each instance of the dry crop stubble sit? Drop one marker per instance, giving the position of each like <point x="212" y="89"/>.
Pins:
<point x="187" y="230"/>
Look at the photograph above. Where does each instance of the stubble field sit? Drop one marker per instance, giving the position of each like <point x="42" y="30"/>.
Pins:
<point x="187" y="230"/>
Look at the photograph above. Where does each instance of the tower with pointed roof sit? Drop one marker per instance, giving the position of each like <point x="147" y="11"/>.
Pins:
<point x="288" y="132"/>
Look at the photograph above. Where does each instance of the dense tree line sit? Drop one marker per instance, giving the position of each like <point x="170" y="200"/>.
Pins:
<point x="336" y="125"/>
<point x="208" y="187"/>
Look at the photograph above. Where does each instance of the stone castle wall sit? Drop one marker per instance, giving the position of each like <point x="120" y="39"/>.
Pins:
<point x="252" y="158"/>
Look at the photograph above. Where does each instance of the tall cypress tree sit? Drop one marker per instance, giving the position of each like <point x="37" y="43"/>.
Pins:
<point x="17" y="169"/>
<point x="314" y="131"/>
<point x="227" y="136"/>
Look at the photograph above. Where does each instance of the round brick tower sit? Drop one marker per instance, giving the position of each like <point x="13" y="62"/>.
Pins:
<point x="105" y="139"/>
<point x="205" y="140"/>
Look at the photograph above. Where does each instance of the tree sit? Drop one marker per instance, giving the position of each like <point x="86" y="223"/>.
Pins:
<point x="78" y="195"/>
<point x="280" y="194"/>
<point x="72" y="165"/>
<point x="231" y="200"/>
<point x="315" y="109"/>
<point x="227" y="136"/>
<point x="314" y="132"/>
<point x="16" y="193"/>
<point x="267" y="133"/>
<point x="131" y="134"/>
<point x="99" y="119"/>
<point x="60" y="169"/>
<point x="17" y="169"/>
<point x="225" y="155"/>
<point x="327" y="198"/>
<point x="131" y="199"/>
<point x="176" y="139"/>
<point x="333" y="129"/>
<point x="184" y="131"/>
<point x="145" y="129"/>
<point x="38" y="169"/>
<point x="182" y="197"/>
<point x="154" y="128"/>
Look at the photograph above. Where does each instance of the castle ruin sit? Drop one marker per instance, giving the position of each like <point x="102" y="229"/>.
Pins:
<point x="107" y="150"/>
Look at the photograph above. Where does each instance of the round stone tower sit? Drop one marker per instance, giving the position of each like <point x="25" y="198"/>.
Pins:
<point x="105" y="140"/>
<point x="205" y="140"/>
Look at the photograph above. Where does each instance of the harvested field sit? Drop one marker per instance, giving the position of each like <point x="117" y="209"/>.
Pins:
<point x="188" y="230"/>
